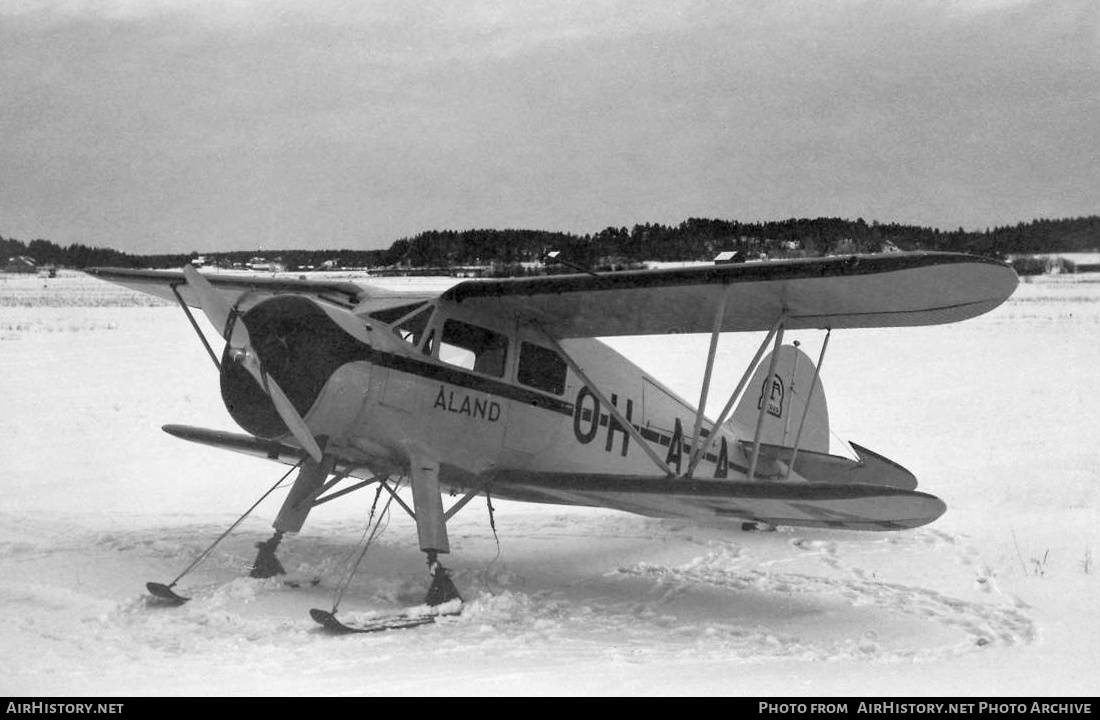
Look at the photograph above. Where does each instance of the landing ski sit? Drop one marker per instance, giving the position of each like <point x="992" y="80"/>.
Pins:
<point x="328" y="621"/>
<point x="302" y="583"/>
<point x="165" y="594"/>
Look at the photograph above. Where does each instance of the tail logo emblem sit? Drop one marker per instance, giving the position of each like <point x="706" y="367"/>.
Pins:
<point x="775" y="399"/>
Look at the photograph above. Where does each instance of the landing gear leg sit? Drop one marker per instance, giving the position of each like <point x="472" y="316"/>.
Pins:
<point x="292" y="515"/>
<point x="431" y="526"/>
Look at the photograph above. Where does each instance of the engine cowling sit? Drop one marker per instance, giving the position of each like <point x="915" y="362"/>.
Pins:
<point x="301" y="345"/>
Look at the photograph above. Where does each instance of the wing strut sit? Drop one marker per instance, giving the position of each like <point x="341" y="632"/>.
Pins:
<point x="702" y="451"/>
<point x="809" y="397"/>
<point x="764" y="405"/>
<point x="719" y="315"/>
<point x="198" y="331"/>
<point x="319" y="500"/>
<point x="470" y="495"/>
<point x="623" y="422"/>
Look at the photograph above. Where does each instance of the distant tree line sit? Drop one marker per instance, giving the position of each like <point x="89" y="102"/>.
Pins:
<point x="693" y="239"/>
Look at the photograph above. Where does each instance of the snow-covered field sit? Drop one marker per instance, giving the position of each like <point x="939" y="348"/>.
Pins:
<point x="999" y="416"/>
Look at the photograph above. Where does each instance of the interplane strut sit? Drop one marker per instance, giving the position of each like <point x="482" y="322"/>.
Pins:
<point x="701" y="452"/>
<point x="764" y="405"/>
<point x="719" y="315"/>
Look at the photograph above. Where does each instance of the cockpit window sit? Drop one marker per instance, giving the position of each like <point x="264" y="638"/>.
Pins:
<point x="541" y="368"/>
<point x="391" y="315"/>
<point x="412" y="328"/>
<point x="474" y="348"/>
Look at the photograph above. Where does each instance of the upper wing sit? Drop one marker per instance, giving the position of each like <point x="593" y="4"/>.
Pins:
<point x="858" y="291"/>
<point x="166" y="283"/>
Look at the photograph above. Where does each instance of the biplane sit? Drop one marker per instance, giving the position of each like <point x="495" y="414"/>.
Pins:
<point x="502" y="386"/>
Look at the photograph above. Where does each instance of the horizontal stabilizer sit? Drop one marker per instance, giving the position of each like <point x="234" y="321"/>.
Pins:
<point x="817" y="467"/>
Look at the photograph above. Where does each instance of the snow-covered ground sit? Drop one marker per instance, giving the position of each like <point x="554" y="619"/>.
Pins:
<point x="999" y="416"/>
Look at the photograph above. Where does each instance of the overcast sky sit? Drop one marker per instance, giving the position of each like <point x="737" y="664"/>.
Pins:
<point x="179" y="125"/>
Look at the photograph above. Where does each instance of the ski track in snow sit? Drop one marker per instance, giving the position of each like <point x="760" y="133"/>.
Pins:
<point x="971" y="624"/>
<point x="784" y="595"/>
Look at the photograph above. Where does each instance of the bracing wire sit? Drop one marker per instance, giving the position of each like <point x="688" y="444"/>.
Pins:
<point x="379" y="528"/>
<point x="366" y="529"/>
<point x="239" y="520"/>
<point x="493" y="527"/>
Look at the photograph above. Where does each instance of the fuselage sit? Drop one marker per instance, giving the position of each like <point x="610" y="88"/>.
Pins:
<point x="482" y="396"/>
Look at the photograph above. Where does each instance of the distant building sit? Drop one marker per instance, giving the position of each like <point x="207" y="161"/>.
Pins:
<point x="21" y="264"/>
<point x="260" y="264"/>
<point x="729" y="257"/>
<point x="1056" y="264"/>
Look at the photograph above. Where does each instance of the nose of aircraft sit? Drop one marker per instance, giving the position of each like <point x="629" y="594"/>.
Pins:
<point x="300" y="347"/>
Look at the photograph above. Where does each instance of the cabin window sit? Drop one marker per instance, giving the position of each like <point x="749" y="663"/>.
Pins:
<point x="474" y="348"/>
<point x="541" y="368"/>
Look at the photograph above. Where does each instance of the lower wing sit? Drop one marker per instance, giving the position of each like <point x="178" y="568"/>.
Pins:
<point x="851" y="506"/>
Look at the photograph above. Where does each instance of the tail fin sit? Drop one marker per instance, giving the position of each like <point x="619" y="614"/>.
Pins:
<point x="786" y="395"/>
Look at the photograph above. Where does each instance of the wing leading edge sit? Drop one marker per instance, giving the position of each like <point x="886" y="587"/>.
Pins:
<point x="858" y="291"/>
<point x="165" y="283"/>
<point x="266" y="449"/>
